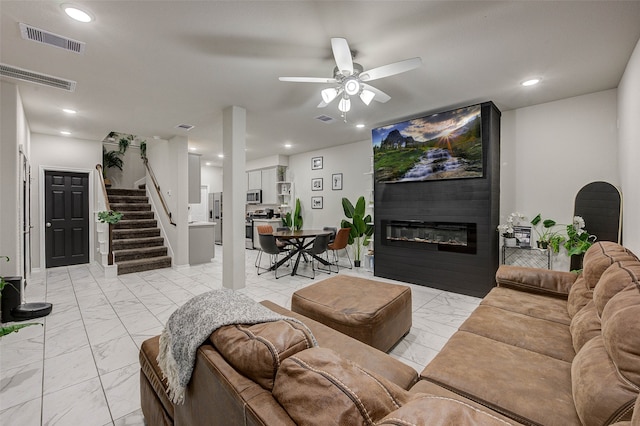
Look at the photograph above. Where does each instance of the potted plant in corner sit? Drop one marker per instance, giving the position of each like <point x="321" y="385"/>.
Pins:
<point x="507" y="231"/>
<point x="547" y="237"/>
<point x="361" y="227"/>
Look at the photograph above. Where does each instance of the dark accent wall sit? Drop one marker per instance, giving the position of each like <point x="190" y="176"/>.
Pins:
<point x="474" y="200"/>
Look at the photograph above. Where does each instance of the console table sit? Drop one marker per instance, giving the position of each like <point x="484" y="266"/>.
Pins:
<point x="529" y="257"/>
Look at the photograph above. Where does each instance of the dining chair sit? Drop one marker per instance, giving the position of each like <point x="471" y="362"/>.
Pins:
<point x="333" y="230"/>
<point x="319" y="247"/>
<point x="268" y="230"/>
<point x="340" y="243"/>
<point x="269" y="246"/>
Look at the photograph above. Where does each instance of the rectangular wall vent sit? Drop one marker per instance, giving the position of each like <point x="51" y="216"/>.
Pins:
<point x="45" y="37"/>
<point x="38" y="78"/>
<point x="186" y="127"/>
<point x="325" y="118"/>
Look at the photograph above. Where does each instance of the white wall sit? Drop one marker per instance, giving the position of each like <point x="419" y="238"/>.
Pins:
<point x="212" y="177"/>
<point x="550" y="151"/>
<point x="60" y="153"/>
<point x="629" y="149"/>
<point x="14" y="132"/>
<point x="169" y="162"/>
<point x="352" y="160"/>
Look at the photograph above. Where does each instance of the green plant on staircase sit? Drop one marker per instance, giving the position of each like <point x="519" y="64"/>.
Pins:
<point x="4" y="330"/>
<point x="361" y="226"/>
<point x="109" y="216"/>
<point x="294" y="221"/>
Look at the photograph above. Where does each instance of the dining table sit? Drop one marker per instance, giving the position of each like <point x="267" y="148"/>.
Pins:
<point x="301" y="240"/>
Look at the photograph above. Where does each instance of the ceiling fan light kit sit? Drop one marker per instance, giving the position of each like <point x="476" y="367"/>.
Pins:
<point x="350" y="77"/>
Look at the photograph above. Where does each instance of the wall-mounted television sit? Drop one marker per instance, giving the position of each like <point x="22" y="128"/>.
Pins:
<point x="446" y="145"/>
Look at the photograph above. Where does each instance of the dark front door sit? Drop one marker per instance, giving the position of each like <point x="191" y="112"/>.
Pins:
<point x="66" y="218"/>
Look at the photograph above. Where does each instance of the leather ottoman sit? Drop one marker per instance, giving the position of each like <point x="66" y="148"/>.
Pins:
<point x="374" y="312"/>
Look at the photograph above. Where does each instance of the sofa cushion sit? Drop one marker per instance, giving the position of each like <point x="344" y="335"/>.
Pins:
<point x="527" y="332"/>
<point x="599" y="257"/>
<point x="319" y="387"/>
<point x="431" y="410"/>
<point x="524" y="385"/>
<point x="579" y="296"/>
<point x="585" y="325"/>
<point x="621" y="332"/>
<point x="257" y="351"/>
<point x="601" y="396"/>
<point x="534" y="305"/>
<point x="616" y="278"/>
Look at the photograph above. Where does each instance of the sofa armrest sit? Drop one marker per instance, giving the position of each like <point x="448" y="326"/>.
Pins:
<point x="554" y="283"/>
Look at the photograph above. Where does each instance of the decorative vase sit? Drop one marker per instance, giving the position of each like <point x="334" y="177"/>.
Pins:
<point x="543" y="244"/>
<point x="356" y="263"/>
<point x="510" y="241"/>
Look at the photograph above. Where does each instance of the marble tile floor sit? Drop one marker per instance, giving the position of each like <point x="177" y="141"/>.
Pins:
<point x="81" y="366"/>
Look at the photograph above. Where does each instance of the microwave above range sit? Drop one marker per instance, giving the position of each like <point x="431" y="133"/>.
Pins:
<point x="254" y="196"/>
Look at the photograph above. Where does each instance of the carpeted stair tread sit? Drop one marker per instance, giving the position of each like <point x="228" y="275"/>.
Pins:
<point x="135" y="233"/>
<point x="139" y="253"/>
<point x="126" y="191"/>
<point x="136" y="224"/>
<point x="136" y="215"/>
<point x="130" y="206"/>
<point x="133" y="243"/>
<point x="137" y="242"/>
<point x="138" y="265"/>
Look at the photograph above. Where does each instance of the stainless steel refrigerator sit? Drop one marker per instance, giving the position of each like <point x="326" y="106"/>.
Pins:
<point x="215" y="200"/>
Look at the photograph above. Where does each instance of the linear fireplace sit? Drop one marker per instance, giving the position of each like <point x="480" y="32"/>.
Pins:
<point x="442" y="236"/>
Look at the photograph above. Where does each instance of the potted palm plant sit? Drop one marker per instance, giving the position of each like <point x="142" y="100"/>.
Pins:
<point x="361" y="227"/>
<point x="294" y="221"/>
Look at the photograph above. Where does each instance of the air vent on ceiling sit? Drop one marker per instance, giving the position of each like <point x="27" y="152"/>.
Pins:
<point x="186" y="127"/>
<point x="38" y="78"/>
<point x="45" y="37"/>
<point x="325" y="118"/>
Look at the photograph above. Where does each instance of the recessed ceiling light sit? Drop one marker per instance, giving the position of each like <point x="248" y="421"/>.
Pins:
<point x="76" y="13"/>
<point x="191" y="148"/>
<point x="531" y="82"/>
<point x="208" y="163"/>
<point x="360" y="126"/>
<point x="64" y="132"/>
<point x="220" y="155"/>
<point x="69" y="111"/>
<point x="287" y="145"/>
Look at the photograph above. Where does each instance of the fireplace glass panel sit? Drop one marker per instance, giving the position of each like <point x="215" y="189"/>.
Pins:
<point x="442" y="236"/>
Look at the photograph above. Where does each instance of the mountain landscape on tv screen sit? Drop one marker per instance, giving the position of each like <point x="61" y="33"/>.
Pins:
<point x="441" y="146"/>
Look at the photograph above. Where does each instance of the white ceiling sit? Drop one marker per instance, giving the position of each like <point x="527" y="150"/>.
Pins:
<point x="152" y="65"/>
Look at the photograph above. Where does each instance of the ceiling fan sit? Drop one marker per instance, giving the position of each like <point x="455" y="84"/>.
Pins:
<point x="349" y="78"/>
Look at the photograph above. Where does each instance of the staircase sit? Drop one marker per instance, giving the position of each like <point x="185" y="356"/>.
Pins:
<point x="137" y="245"/>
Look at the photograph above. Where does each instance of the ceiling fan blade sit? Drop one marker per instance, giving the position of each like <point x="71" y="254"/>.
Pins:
<point x="390" y="69"/>
<point x="342" y="55"/>
<point x="322" y="104"/>
<point x="380" y="95"/>
<point x="308" y="79"/>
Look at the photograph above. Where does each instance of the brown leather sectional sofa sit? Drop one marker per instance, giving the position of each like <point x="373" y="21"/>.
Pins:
<point x="543" y="348"/>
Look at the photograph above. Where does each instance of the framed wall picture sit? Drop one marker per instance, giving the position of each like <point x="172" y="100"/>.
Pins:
<point x="316" y="202"/>
<point x="316" y="184"/>
<point x="523" y="236"/>
<point x="316" y="163"/>
<point x="336" y="181"/>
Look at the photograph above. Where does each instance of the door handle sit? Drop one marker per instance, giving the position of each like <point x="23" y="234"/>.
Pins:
<point x="48" y="225"/>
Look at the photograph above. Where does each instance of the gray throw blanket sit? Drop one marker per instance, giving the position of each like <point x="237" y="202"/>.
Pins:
<point x="190" y="326"/>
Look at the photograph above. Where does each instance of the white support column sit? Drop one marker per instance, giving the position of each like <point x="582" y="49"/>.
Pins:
<point x="234" y="124"/>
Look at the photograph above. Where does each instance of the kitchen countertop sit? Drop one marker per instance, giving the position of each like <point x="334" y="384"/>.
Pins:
<point x="202" y="223"/>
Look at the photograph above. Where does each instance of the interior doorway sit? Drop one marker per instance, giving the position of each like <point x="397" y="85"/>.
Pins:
<point x="66" y="218"/>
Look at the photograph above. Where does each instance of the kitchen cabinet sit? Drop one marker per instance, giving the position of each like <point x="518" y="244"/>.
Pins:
<point x="269" y="186"/>
<point x="254" y="179"/>
<point x="194" y="178"/>
<point x="201" y="248"/>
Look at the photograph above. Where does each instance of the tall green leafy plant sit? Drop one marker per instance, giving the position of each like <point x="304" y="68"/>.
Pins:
<point x="294" y="221"/>
<point x="360" y="225"/>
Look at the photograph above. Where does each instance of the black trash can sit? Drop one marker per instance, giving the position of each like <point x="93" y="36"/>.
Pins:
<point x="11" y="297"/>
